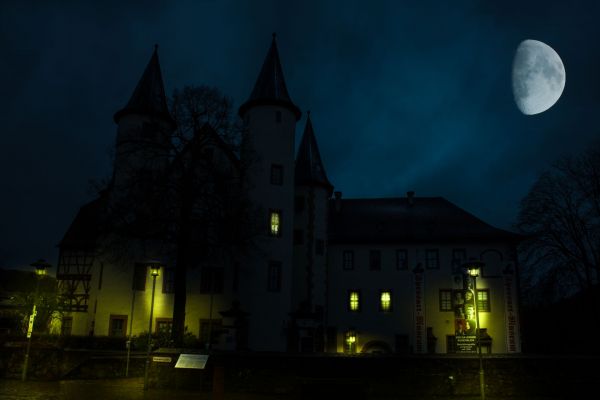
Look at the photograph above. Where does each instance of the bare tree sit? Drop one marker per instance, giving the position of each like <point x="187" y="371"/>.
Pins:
<point x="194" y="209"/>
<point x="561" y="218"/>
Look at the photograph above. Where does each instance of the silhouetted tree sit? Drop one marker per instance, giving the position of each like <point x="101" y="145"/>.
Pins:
<point x="194" y="209"/>
<point x="561" y="218"/>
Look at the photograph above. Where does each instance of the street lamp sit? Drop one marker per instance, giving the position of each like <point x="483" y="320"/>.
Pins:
<point x="40" y="270"/>
<point x="154" y="271"/>
<point x="474" y="268"/>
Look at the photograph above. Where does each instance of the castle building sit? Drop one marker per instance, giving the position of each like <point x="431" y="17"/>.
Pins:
<point x="329" y="274"/>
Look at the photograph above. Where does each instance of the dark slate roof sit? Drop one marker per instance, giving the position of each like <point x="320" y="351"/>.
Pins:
<point x="309" y="167"/>
<point x="85" y="228"/>
<point x="270" y="88"/>
<point x="149" y="97"/>
<point x="394" y="220"/>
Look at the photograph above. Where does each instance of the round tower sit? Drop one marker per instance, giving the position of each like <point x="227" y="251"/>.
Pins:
<point x="270" y="118"/>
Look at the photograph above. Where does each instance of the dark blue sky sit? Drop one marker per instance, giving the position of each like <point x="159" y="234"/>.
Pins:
<point x="407" y="95"/>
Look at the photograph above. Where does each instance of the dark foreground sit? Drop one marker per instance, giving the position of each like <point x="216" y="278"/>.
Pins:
<point x="132" y="389"/>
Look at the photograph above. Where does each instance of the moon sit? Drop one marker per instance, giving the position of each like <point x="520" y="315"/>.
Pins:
<point x="538" y="77"/>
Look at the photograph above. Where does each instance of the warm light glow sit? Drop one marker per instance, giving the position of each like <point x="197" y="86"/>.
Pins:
<point x="386" y="301"/>
<point x="275" y="223"/>
<point x="354" y="301"/>
<point x="40" y="271"/>
<point x="154" y="267"/>
<point x="351" y="338"/>
<point x="40" y="267"/>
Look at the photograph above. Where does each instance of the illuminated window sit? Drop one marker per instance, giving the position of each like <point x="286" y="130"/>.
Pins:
<point x="350" y="342"/>
<point x="432" y="259"/>
<point x="401" y="259"/>
<point x="275" y="222"/>
<point x="375" y="260"/>
<point x="483" y="300"/>
<point x="348" y="259"/>
<point x="276" y="174"/>
<point x="446" y="300"/>
<point x="164" y="325"/>
<point x="354" y="300"/>
<point x="385" y="300"/>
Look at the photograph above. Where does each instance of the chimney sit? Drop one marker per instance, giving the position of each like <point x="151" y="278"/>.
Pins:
<point x="410" y="196"/>
<point x="338" y="201"/>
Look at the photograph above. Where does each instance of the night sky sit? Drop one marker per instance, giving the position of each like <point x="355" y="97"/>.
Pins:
<point x="409" y="96"/>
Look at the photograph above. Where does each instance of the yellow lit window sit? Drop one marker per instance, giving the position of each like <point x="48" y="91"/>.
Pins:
<point x="354" y="301"/>
<point x="275" y="223"/>
<point x="385" y="300"/>
<point x="350" y="342"/>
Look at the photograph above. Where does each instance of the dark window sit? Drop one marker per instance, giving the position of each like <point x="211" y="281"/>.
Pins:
<point x="117" y="325"/>
<point x="277" y="116"/>
<point x="139" y="277"/>
<point x="459" y="256"/>
<point x="168" y="280"/>
<point x="432" y="259"/>
<point x="299" y="204"/>
<point x="275" y="223"/>
<point x="214" y="327"/>
<point x="354" y="300"/>
<point x="164" y="325"/>
<point x="66" y="326"/>
<point x="274" y="276"/>
<point x="348" y="259"/>
<point x="211" y="280"/>
<point x="320" y="247"/>
<point x="236" y="277"/>
<point x="276" y="174"/>
<point x="446" y="300"/>
<point x="298" y="236"/>
<point x="483" y="300"/>
<point x="375" y="260"/>
<point x="401" y="259"/>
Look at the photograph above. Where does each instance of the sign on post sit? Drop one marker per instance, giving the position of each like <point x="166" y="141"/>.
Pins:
<point x="31" y="319"/>
<point x="192" y="361"/>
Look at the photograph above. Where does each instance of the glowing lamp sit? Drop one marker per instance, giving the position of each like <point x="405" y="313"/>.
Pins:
<point x="40" y="267"/>
<point x="474" y="267"/>
<point x="154" y="267"/>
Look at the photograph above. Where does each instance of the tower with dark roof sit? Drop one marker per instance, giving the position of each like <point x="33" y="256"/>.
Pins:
<point x="144" y="126"/>
<point x="312" y="193"/>
<point x="270" y="117"/>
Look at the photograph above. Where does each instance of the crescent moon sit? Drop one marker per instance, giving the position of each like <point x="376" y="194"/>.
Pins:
<point x="538" y="77"/>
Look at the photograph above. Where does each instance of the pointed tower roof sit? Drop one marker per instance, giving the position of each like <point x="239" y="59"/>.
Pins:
<point x="270" y="88"/>
<point x="309" y="167"/>
<point x="149" y="97"/>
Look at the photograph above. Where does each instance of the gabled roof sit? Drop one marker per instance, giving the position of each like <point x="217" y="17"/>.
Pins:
<point x="85" y="228"/>
<point x="270" y="88"/>
<point x="396" y="221"/>
<point x="149" y="97"/>
<point x="309" y="167"/>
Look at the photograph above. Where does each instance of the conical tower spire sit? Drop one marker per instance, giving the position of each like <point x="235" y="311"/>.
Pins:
<point x="149" y="97"/>
<point x="309" y="167"/>
<point x="270" y="88"/>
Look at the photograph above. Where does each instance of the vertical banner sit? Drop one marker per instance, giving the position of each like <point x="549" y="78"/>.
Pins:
<point x="512" y="326"/>
<point x="465" y="321"/>
<point x="420" y="330"/>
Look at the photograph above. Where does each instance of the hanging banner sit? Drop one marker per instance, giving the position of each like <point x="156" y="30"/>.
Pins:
<point x="512" y="328"/>
<point x="420" y="329"/>
<point x="31" y="319"/>
<point x="465" y="321"/>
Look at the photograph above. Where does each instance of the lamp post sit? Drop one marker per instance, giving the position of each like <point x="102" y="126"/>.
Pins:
<point x="474" y="268"/>
<point x="40" y="270"/>
<point x="154" y="270"/>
